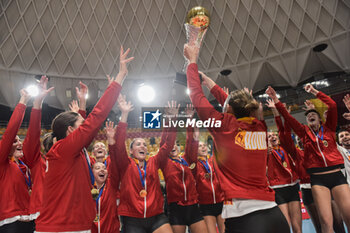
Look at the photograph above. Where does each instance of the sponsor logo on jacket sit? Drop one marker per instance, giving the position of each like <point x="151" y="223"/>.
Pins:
<point x="251" y="140"/>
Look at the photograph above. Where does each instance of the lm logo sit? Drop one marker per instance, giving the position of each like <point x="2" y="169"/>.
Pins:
<point x="151" y="119"/>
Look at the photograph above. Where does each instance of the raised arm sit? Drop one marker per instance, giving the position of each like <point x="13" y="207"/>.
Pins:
<point x="191" y="147"/>
<point x="204" y="109"/>
<point x="296" y="126"/>
<point x="113" y="171"/>
<point x="11" y="130"/>
<point x="219" y="94"/>
<point x="168" y="136"/>
<point x="332" y="114"/>
<point x="346" y="101"/>
<point x="31" y="144"/>
<point x="120" y="153"/>
<point x="84" y="134"/>
<point x="82" y="93"/>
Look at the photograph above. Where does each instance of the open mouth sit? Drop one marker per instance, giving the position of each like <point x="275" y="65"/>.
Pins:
<point x="102" y="175"/>
<point x="312" y="119"/>
<point x="142" y="152"/>
<point x="173" y="150"/>
<point x="346" y="140"/>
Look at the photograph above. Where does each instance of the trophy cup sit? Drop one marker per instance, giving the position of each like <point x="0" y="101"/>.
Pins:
<point x="197" y="22"/>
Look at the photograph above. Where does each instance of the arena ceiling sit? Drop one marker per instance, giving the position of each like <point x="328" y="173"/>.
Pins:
<point x="262" y="41"/>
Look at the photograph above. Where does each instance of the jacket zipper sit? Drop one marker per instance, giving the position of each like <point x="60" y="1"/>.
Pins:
<point x="211" y="182"/>
<point x="319" y="148"/>
<point x="318" y="145"/>
<point x="183" y="182"/>
<point x="145" y="200"/>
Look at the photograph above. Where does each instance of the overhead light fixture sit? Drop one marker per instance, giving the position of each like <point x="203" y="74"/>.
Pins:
<point x="320" y="47"/>
<point x="146" y="93"/>
<point x="187" y="91"/>
<point x="267" y="96"/>
<point x="320" y="83"/>
<point x="226" y="72"/>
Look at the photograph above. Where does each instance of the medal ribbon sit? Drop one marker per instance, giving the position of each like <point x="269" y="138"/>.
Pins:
<point x="321" y="134"/>
<point x="142" y="178"/>
<point x="206" y="166"/>
<point x="105" y="162"/>
<point x="281" y="156"/>
<point x="99" y="195"/>
<point x="26" y="175"/>
<point x="92" y="178"/>
<point x="182" y="162"/>
<point x="316" y="135"/>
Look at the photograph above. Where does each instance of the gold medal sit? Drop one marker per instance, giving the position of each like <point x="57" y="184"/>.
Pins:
<point x="97" y="218"/>
<point x="30" y="192"/>
<point x="143" y="193"/>
<point x="94" y="193"/>
<point x="207" y="175"/>
<point x="193" y="165"/>
<point x="325" y="143"/>
<point x="285" y="164"/>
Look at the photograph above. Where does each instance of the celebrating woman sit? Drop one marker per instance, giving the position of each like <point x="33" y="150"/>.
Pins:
<point x="209" y="191"/>
<point x="141" y="199"/>
<point x="241" y="157"/>
<point x="181" y="191"/>
<point x="67" y="201"/>
<point x="322" y="159"/>
<point x="107" y="184"/>
<point x="282" y="174"/>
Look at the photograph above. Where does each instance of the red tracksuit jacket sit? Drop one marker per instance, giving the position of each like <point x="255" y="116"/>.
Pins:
<point x="131" y="203"/>
<point x="31" y="148"/>
<point x="296" y="153"/>
<point x="107" y="206"/>
<point x="14" y="197"/>
<point x="67" y="200"/>
<point x="179" y="180"/>
<point x="317" y="155"/>
<point x="277" y="174"/>
<point x="207" y="183"/>
<point x="241" y="147"/>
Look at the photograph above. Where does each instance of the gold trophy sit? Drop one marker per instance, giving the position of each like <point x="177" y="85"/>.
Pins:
<point x="197" y="22"/>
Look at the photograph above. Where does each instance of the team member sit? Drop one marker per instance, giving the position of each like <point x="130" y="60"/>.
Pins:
<point x="282" y="174"/>
<point x="14" y="176"/>
<point x="17" y="210"/>
<point x="31" y="148"/>
<point x="99" y="151"/>
<point x="67" y="201"/>
<point x="322" y="159"/>
<point x="209" y="191"/>
<point x="107" y="183"/>
<point x="141" y="199"/>
<point x="297" y="153"/>
<point x="241" y="157"/>
<point x="181" y="190"/>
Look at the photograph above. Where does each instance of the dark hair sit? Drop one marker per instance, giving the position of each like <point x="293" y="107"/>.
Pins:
<point x="340" y="131"/>
<point x="312" y="110"/>
<point x="59" y="127"/>
<point x="242" y="103"/>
